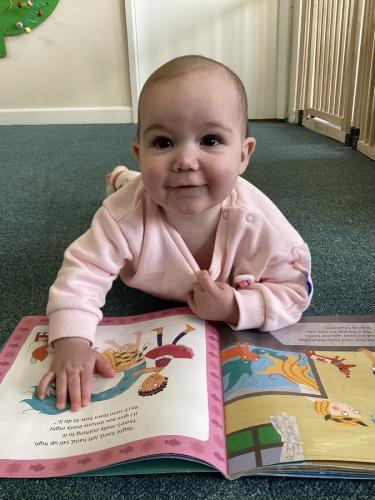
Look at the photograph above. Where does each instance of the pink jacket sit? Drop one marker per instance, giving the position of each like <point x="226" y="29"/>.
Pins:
<point x="257" y="251"/>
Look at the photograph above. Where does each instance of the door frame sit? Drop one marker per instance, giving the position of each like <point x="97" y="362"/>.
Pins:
<point x="285" y="16"/>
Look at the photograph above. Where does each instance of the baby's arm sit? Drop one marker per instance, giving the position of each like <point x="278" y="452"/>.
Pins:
<point x="279" y="296"/>
<point x="90" y="265"/>
<point x="276" y="300"/>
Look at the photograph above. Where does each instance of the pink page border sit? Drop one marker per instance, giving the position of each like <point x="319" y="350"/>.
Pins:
<point x="211" y="451"/>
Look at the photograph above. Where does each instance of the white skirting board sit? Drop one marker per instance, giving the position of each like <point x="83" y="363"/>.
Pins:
<point x="62" y="116"/>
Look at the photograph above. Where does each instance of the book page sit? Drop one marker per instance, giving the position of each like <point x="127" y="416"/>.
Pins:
<point x="165" y="398"/>
<point x="301" y="394"/>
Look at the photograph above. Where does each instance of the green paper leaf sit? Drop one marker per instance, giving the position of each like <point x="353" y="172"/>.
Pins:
<point x="27" y="16"/>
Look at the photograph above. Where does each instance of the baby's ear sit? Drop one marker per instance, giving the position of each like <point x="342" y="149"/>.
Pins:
<point x="248" y="147"/>
<point x="136" y="149"/>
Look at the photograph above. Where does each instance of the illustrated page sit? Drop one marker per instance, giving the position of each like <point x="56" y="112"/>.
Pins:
<point x="300" y="394"/>
<point x="166" y="397"/>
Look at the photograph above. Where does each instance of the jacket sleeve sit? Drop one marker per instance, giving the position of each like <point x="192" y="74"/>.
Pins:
<point x="90" y="265"/>
<point x="279" y="297"/>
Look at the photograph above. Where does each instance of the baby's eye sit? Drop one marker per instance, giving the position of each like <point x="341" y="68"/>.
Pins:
<point x="210" y="140"/>
<point x="162" y="142"/>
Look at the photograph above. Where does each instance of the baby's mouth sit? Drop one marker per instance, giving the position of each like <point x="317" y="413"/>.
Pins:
<point x="187" y="186"/>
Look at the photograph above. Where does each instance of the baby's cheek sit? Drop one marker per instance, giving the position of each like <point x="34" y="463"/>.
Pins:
<point x="151" y="179"/>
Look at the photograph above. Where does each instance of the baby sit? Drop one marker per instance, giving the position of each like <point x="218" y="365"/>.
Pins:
<point x="189" y="228"/>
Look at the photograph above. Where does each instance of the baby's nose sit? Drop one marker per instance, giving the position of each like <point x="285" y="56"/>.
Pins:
<point x="185" y="159"/>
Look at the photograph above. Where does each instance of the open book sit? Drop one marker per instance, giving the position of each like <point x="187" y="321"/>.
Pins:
<point x="193" y="396"/>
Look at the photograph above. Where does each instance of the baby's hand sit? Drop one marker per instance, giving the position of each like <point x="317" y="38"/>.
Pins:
<point x="71" y="369"/>
<point x="213" y="300"/>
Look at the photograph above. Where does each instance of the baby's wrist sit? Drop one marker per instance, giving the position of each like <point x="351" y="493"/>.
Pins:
<point x="233" y="315"/>
<point x="233" y="318"/>
<point x="71" y="340"/>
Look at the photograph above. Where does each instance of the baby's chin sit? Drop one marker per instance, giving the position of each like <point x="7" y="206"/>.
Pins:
<point x="191" y="206"/>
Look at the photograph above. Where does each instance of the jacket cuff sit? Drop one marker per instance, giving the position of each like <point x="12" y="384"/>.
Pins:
<point x="72" y="323"/>
<point x="252" y="310"/>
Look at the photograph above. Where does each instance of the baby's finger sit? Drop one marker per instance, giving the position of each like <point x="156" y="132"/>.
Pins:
<point x="197" y="289"/>
<point x="47" y="379"/>
<point x="103" y="367"/>
<point x="86" y="388"/>
<point x="74" y="388"/>
<point x="205" y="281"/>
<point x="61" y="391"/>
<point x="191" y="301"/>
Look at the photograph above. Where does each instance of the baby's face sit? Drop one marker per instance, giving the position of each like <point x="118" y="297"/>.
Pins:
<point x="191" y="146"/>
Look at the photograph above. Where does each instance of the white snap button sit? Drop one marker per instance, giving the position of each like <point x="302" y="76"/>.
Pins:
<point x="250" y="218"/>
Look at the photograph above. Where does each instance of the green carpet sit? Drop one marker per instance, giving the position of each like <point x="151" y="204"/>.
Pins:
<point x="53" y="181"/>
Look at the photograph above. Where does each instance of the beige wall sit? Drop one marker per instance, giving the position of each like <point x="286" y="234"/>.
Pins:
<point x="75" y="63"/>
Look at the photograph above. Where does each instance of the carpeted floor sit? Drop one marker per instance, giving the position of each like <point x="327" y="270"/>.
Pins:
<point x="53" y="183"/>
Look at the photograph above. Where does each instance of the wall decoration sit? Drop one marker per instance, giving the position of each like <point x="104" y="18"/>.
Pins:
<point x="17" y="17"/>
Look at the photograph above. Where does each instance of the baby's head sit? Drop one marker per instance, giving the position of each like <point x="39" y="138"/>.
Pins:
<point x="192" y="135"/>
<point x="192" y="65"/>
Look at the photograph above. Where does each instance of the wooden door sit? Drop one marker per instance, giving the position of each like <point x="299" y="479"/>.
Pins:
<point x="249" y="36"/>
